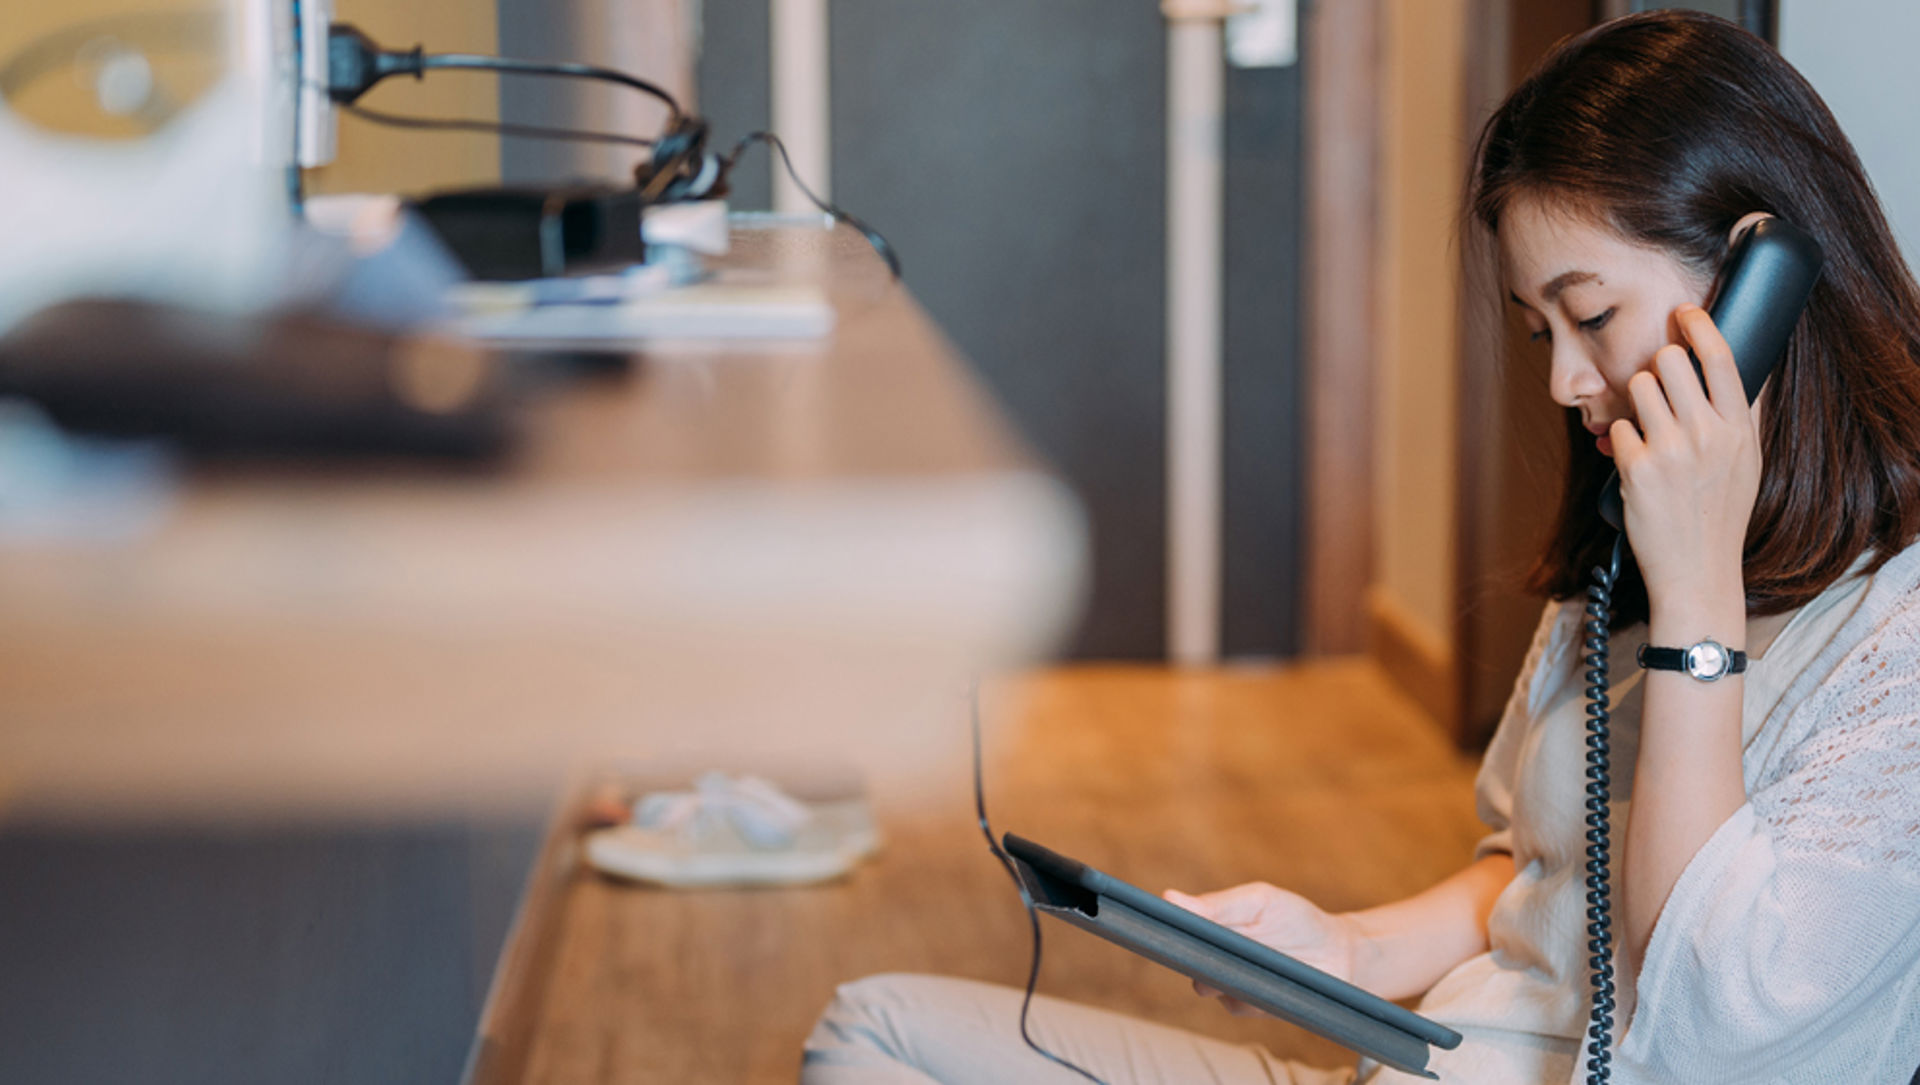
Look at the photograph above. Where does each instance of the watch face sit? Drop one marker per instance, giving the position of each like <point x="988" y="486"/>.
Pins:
<point x="1707" y="661"/>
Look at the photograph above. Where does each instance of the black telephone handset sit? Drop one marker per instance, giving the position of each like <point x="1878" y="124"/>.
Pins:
<point x="1765" y="283"/>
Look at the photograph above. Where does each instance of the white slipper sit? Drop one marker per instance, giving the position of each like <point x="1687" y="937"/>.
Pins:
<point x="735" y="831"/>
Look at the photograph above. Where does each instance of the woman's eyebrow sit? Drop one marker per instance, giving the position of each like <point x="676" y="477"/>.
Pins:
<point x="1559" y="283"/>
<point x="1563" y="280"/>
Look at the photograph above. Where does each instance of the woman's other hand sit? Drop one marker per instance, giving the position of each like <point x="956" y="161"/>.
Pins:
<point x="1285" y="921"/>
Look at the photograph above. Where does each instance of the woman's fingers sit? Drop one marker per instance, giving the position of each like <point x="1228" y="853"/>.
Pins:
<point x="1717" y="363"/>
<point x="1669" y="393"/>
<point x="1650" y="407"/>
<point x="1233" y="1005"/>
<point x="1628" y="445"/>
<point x="1191" y="903"/>
<point x="1235" y="907"/>
<point x="1673" y="411"/>
<point x="1681" y="385"/>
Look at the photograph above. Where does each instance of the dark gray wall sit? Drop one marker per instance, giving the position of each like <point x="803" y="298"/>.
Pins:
<point x="1264" y="413"/>
<point x="1014" y="153"/>
<point x="735" y="89"/>
<point x="344" y="956"/>
<point x="541" y="30"/>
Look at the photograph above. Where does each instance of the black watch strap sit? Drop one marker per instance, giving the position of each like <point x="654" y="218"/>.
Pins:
<point x="1676" y="659"/>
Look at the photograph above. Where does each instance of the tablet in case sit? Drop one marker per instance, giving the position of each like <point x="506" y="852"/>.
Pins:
<point x="1201" y="949"/>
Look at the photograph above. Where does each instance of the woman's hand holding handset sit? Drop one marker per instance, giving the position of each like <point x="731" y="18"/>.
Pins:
<point x="1690" y="471"/>
<point x="1285" y="921"/>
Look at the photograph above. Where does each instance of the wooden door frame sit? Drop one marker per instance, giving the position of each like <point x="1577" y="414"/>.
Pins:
<point x="1343" y="59"/>
<point x="1344" y="130"/>
<point x="1494" y="618"/>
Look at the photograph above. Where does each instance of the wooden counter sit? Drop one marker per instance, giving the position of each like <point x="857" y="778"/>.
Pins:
<point x="776" y="546"/>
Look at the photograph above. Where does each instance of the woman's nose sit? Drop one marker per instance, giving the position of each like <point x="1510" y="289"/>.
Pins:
<point x="1574" y="377"/>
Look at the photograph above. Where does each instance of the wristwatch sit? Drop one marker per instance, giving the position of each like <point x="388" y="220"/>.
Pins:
<point x="1707" y="661"/>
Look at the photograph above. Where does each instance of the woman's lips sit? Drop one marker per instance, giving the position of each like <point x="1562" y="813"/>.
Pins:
<point x="1600" y="439"/>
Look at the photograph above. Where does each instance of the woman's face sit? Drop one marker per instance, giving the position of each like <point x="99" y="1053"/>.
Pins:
<point x="1603" y="305"/>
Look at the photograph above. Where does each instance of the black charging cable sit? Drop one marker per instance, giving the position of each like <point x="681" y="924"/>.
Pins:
<point x="355" y="63"/>
<point x="679" y="167"/>
<point x="833" y="211"/>
<point x="1598" y="642"/>
<point x="1026" y="898"/>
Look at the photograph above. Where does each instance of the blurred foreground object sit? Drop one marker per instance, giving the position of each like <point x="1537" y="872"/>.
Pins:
<point x="771" y="547"/>
<point x="144" y="145"/>
<point x="297" y="383"/>
<point x="56" y="488"/>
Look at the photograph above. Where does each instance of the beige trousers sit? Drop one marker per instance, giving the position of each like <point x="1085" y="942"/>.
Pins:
<point x="931" y="1030"/>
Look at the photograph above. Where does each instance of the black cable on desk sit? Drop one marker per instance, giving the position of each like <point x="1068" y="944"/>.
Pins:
<point x="680" y="166"/>
<point x="564" y="69"/>
<point x="879" y="243"/>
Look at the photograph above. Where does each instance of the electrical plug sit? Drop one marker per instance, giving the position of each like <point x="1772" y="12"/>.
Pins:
<point x="355" y="63"/>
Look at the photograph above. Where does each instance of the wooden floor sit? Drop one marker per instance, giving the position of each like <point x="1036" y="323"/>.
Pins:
<point x="1318" y="777"/>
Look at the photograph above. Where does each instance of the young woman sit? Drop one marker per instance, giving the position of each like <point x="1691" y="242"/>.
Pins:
<point x="1766" y="825"/>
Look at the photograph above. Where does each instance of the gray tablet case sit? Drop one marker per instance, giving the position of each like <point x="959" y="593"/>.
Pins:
<point x="1255" y="974"/>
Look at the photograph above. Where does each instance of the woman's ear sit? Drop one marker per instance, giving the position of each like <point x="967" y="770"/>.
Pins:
<point x="1746" y="220"/>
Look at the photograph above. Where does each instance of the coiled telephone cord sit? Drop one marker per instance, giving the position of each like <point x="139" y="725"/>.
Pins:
<point x="1599" y="816"/>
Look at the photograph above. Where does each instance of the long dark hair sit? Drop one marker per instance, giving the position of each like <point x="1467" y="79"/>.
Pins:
<point x="1669" y="126"/>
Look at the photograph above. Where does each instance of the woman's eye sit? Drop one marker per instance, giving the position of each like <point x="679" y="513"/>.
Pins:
<point x="1595" y="323"/>
<point x="1542" y="334"/>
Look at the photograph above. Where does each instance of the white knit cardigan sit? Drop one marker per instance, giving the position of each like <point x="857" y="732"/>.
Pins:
<point x="1788" y="952"/>
<point x="1789" y="949"/>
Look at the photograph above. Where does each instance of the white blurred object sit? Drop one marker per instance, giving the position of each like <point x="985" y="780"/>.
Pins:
<point x="368" y="222"/>
<point x="318" y="124"/>
<point x="699" y="225"/>
<point x="57" y="488"/>
<point x="646" y="315"/>
<point x="366" y="258"/>
<point x="765" y="816"/>
<point x="1196" y="126"/>
<point x="735" y="830"/>
<point x="802" y="102"/>
<point x="123" y="81"/>
<point x="193" y="214"/>
<point x="1263" y="37"/>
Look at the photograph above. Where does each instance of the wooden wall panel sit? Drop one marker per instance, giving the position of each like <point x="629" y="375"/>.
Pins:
<point x="1342" y="161"/>
<point x="1512" y="445"/>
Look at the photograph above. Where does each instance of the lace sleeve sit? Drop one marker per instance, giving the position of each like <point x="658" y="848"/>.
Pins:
<point x="1799" y="920"/>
